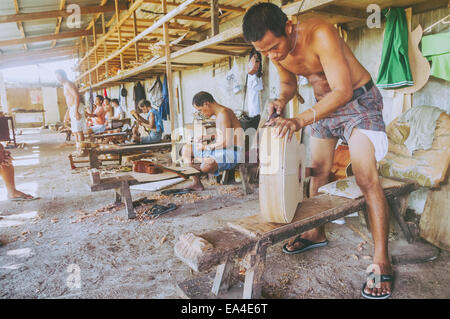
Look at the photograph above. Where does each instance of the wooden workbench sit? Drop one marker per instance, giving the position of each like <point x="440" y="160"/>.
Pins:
<point x="250" y="237"/>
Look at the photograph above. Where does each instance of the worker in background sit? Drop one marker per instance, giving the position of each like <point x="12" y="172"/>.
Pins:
<point x="349" y="107"/>
<point x="149" y="125"/>
<point x="98" y="116"/>
<point x="227" y="149"/>
<point x="75" y="110"/>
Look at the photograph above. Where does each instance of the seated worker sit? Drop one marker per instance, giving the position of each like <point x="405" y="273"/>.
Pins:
<point x="119" y="113"/>
<point x="7" y="173"/>
<point x="98" y="116"/>
<point x="109" y="112"/>
<point x="149" y="126"/>
<point x="225" y="152"/>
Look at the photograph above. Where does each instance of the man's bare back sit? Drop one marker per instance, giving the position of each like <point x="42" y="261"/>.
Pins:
<point x="227" y="122"/>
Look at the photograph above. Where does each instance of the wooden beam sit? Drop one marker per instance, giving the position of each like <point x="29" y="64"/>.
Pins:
<point x="56" y="13"/>
<point x="20" y="24"/>
<point x="96" y="53"/>
<point x="201" y="5"/>
<point x="214" y="17"/>
<point x="62" y="5"/>
<point x="119" y="36"/>
<point x="135" y="32"/>
<point x="88" y="62"/>
<point x="104" y="45"/>
<point x="64" y="35"/>
<point x="172" y="14"/>
<point x="351" y="13"/>
<point x="102" y="3"/>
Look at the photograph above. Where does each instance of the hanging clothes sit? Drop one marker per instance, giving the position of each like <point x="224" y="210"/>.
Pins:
<point x="395" y="71"/>
<point x="164" y="108"/>
<point x="436" y="48"/>
<point x="139" y="94"/>
<point x="105" y="93"/>
<point x="156" y="93"/>
<point x="254" y="86"/>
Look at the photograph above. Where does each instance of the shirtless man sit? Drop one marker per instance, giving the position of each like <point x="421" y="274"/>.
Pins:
<point x="75" y="109"/>
<point x="225" y="152"/>
<point x="348" y="107"/>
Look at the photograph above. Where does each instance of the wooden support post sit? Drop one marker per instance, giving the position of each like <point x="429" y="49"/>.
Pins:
<point x="135" y="33"/>
<point x="244" y="179"/>
<point x="253" y="275"/>
<point x="93" y="158"/>
<point x="105" y="51"/>
<point x="169" y="72"/>
<point x="214" y="17"/>
<point x="222" y="280"/>
<point x="119" y="34"/>
<point x="88" y="62"/>
<point x="96" y="53"/>
<point x="398" y="205"/>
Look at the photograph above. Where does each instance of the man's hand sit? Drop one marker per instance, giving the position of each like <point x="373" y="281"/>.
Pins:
<point x="78" y="116"/>
<point x="277" y="106"/>
<point x="282" y="126"/>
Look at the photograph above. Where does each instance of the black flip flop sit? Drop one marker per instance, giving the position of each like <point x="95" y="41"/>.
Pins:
<point x="158" y="210"/>
<point x="308" y="245"/>
<point x="383" y="278"/>
<point x="176" y="191"/>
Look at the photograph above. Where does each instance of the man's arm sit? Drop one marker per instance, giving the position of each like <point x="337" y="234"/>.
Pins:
<point x="288" y="87"/>
<point x="225" y="135"/>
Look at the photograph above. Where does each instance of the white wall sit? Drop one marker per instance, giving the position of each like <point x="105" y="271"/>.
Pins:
<point x="50" y="101"/>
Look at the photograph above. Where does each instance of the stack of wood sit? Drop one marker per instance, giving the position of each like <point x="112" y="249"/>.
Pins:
<point x="146" y="167"/>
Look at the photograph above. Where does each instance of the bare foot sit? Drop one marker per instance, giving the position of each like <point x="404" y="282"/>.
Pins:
<point x="19" y="194"/>
<point x="381" y="288"/>
<point x="196" y="186"/>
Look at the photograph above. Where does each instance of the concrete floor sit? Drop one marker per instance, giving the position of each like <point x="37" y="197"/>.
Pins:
<point x="49" y="243"/>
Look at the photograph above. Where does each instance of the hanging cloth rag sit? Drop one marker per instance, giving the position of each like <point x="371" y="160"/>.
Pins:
<point x="395" y="71"/>
<point x="422" y="123"/>
<point x="164" y="109"/>
<point x="436" y="48"/>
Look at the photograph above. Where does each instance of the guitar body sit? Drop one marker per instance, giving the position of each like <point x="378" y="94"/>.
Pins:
<point x="420" y="68"/>
<point x="281" y="175"/>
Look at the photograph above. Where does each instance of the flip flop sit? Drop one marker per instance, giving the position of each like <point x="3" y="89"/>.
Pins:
<point x="23" y="199"/>
<point x="158" y="210"/>
<point x="308" y="245"/>
<point x="176" y="191"/>
<point x="383" y="278"/>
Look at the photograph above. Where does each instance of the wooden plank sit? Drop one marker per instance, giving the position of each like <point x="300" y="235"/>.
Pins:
<point x="62" y="5"/>
<point x="214" y="17"/>
<point x="435" y="219"/>
<point x="119" y="35"/>
<point x="56" y="13"/>
<point x="201" y="5"/>
<point x="135" y="33"/>
<point x="105" y="50"/>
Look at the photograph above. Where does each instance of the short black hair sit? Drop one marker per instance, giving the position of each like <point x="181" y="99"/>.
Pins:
<point x="115" y="101"/>
<point x="61" y="73"/>
<point x="144" y="103"/>
<point x="201" y="97"/>
<point x="263" y="17"/>
<point x="108" y="99"/>
<point x="101" y="98"/>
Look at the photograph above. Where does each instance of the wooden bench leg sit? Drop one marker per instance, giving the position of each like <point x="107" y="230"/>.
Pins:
<point x="93" y="158"/>
<point x="245" y="180"/>
<point x="398" y="207"/>
<point x="253" y="275"/>
<point x="125" y="194"/>
<point x="222" y="280"/>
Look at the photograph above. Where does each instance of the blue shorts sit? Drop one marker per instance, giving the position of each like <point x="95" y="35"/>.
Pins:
<point x="153" y="137"/>
<point x="98" y="129"/>
<point x="226" y="158"/>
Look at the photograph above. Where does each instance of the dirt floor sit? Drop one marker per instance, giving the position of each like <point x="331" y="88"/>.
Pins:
<point x="48" y="244"/>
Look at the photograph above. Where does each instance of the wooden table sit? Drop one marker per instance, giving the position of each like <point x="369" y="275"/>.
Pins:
<point x="122" y="181"/>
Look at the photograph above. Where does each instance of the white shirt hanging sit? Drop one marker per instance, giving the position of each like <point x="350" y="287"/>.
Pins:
<point x="254" y="86"/>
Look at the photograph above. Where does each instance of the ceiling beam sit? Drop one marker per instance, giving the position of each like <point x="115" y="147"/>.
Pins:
<point x="20" y="24"/>
<point x="205" y="5"/>
<point x="62" y="5"/>
<point x="42" y="38"/>
<point x="56" y="13"/>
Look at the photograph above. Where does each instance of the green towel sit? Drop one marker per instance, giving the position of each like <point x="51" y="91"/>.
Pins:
<point x="395" y="71"/>
<point x="436" y="48"/>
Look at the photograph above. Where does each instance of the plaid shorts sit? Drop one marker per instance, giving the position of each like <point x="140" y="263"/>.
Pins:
<point x="365" y="112"/>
